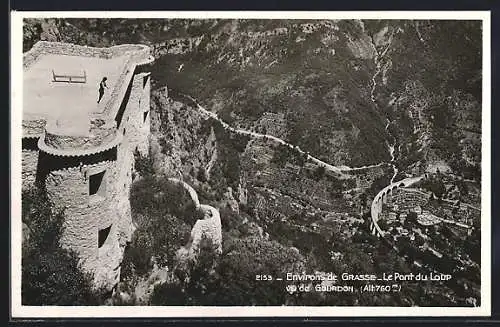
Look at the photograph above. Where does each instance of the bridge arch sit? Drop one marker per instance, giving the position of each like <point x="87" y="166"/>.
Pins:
<point x="380" y="198"/>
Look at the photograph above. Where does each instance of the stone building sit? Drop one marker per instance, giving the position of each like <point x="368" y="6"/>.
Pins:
<point x="82" y="152"/>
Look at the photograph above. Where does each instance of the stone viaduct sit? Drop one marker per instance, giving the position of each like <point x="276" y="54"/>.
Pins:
<point x="381" y="198"/>
<point x="81" y="151"/>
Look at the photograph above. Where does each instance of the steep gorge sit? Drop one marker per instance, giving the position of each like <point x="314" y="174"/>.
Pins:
<point x="381" y="45"/>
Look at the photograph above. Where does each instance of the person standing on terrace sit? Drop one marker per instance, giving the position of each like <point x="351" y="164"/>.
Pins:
<point x="102" y="85"/>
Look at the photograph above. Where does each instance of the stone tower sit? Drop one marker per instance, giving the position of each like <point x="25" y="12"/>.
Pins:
<point x="81" y="151"/>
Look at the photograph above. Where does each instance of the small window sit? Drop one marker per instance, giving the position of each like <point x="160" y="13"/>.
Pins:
<point x="145" y="115"/>
<point x="103" y="236"/>
<point x="96" y="184"/>
<point x="144" y="81"/>
<point x="124" y="131"/>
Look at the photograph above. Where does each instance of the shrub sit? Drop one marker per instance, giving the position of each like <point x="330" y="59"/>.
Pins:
<point x="194" y="275"/>
<point x="318" y="173"/>
<point x="411" y="217"/>
<point x="164" y="214"/>
<point x="143" y="164"/>
<point x="44" y="226"/>
<point x="435" y="185"/>
<point x="235" y="281"/>
<point x="50" y="275"/>
<point x="54" y="278"/>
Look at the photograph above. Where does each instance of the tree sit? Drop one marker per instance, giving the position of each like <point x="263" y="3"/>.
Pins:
<point x="382" y="223"/>
<point x="143" y="164"/>
<point x="234" y="279"/>
<point x="378" y="184"/>
<point x="55" y="278"/>
<point x="411" y="217"/>
<point x="202" y="175"/>
<point x="335" y="187"/>
<point x="281" y="155"/>
<point x="44" y="227"/>
<point x="319" y="172"/>
<point x="137" y="255"/>
<point x="435" y="185"/>
<point x="51" y="275"/>
<point x="363" y="198"/>
<point x="194" y="277"/>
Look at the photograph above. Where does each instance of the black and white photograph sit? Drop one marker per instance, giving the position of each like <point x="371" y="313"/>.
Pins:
<point x="250" y="164"/>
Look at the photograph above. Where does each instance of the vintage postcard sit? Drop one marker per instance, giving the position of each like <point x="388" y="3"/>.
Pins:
<point x="250" y="164"/>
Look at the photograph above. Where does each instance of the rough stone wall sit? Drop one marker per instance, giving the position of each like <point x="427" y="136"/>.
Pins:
<point x="84" y="214"/>
<point x="134" y="65"/>
<point x="145" y="109"/>
<point x="137" y="128"/>
<point x="33" y="127"/>
<point x="97" y="137"/>
<point x="111" y="254"/>
<point x="44" y="47"/>
<point x="87" y="214"/>
<point x="209" y="227"/>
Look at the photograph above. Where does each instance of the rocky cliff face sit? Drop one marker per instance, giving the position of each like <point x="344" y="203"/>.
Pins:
<point x="431" y="88"/>
<point x="183" y="143"/>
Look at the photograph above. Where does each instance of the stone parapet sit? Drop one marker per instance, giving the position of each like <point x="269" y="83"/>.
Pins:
<point x="33" y="128"/>
<point x="75" y="152"/>
<point x="137" y="52"/>
<point x="209" y="227"/>
<point x="101" y="133"/>
<point x="145" y="65"/>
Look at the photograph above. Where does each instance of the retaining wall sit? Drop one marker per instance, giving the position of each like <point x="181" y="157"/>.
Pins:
<point x="209" y="227"/>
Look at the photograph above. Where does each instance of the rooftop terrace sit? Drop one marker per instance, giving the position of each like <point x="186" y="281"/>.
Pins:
<point x="61" y="89"/>
<point x="68" y="105"/>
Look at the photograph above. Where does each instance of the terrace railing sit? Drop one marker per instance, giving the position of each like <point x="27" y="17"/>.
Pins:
<point x="69" y="78"/>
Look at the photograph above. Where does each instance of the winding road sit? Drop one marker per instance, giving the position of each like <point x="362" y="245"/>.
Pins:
<point x="341" y="170"/>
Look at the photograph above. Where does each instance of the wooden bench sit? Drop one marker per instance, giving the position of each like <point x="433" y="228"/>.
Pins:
<point x="69" y="78"/>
